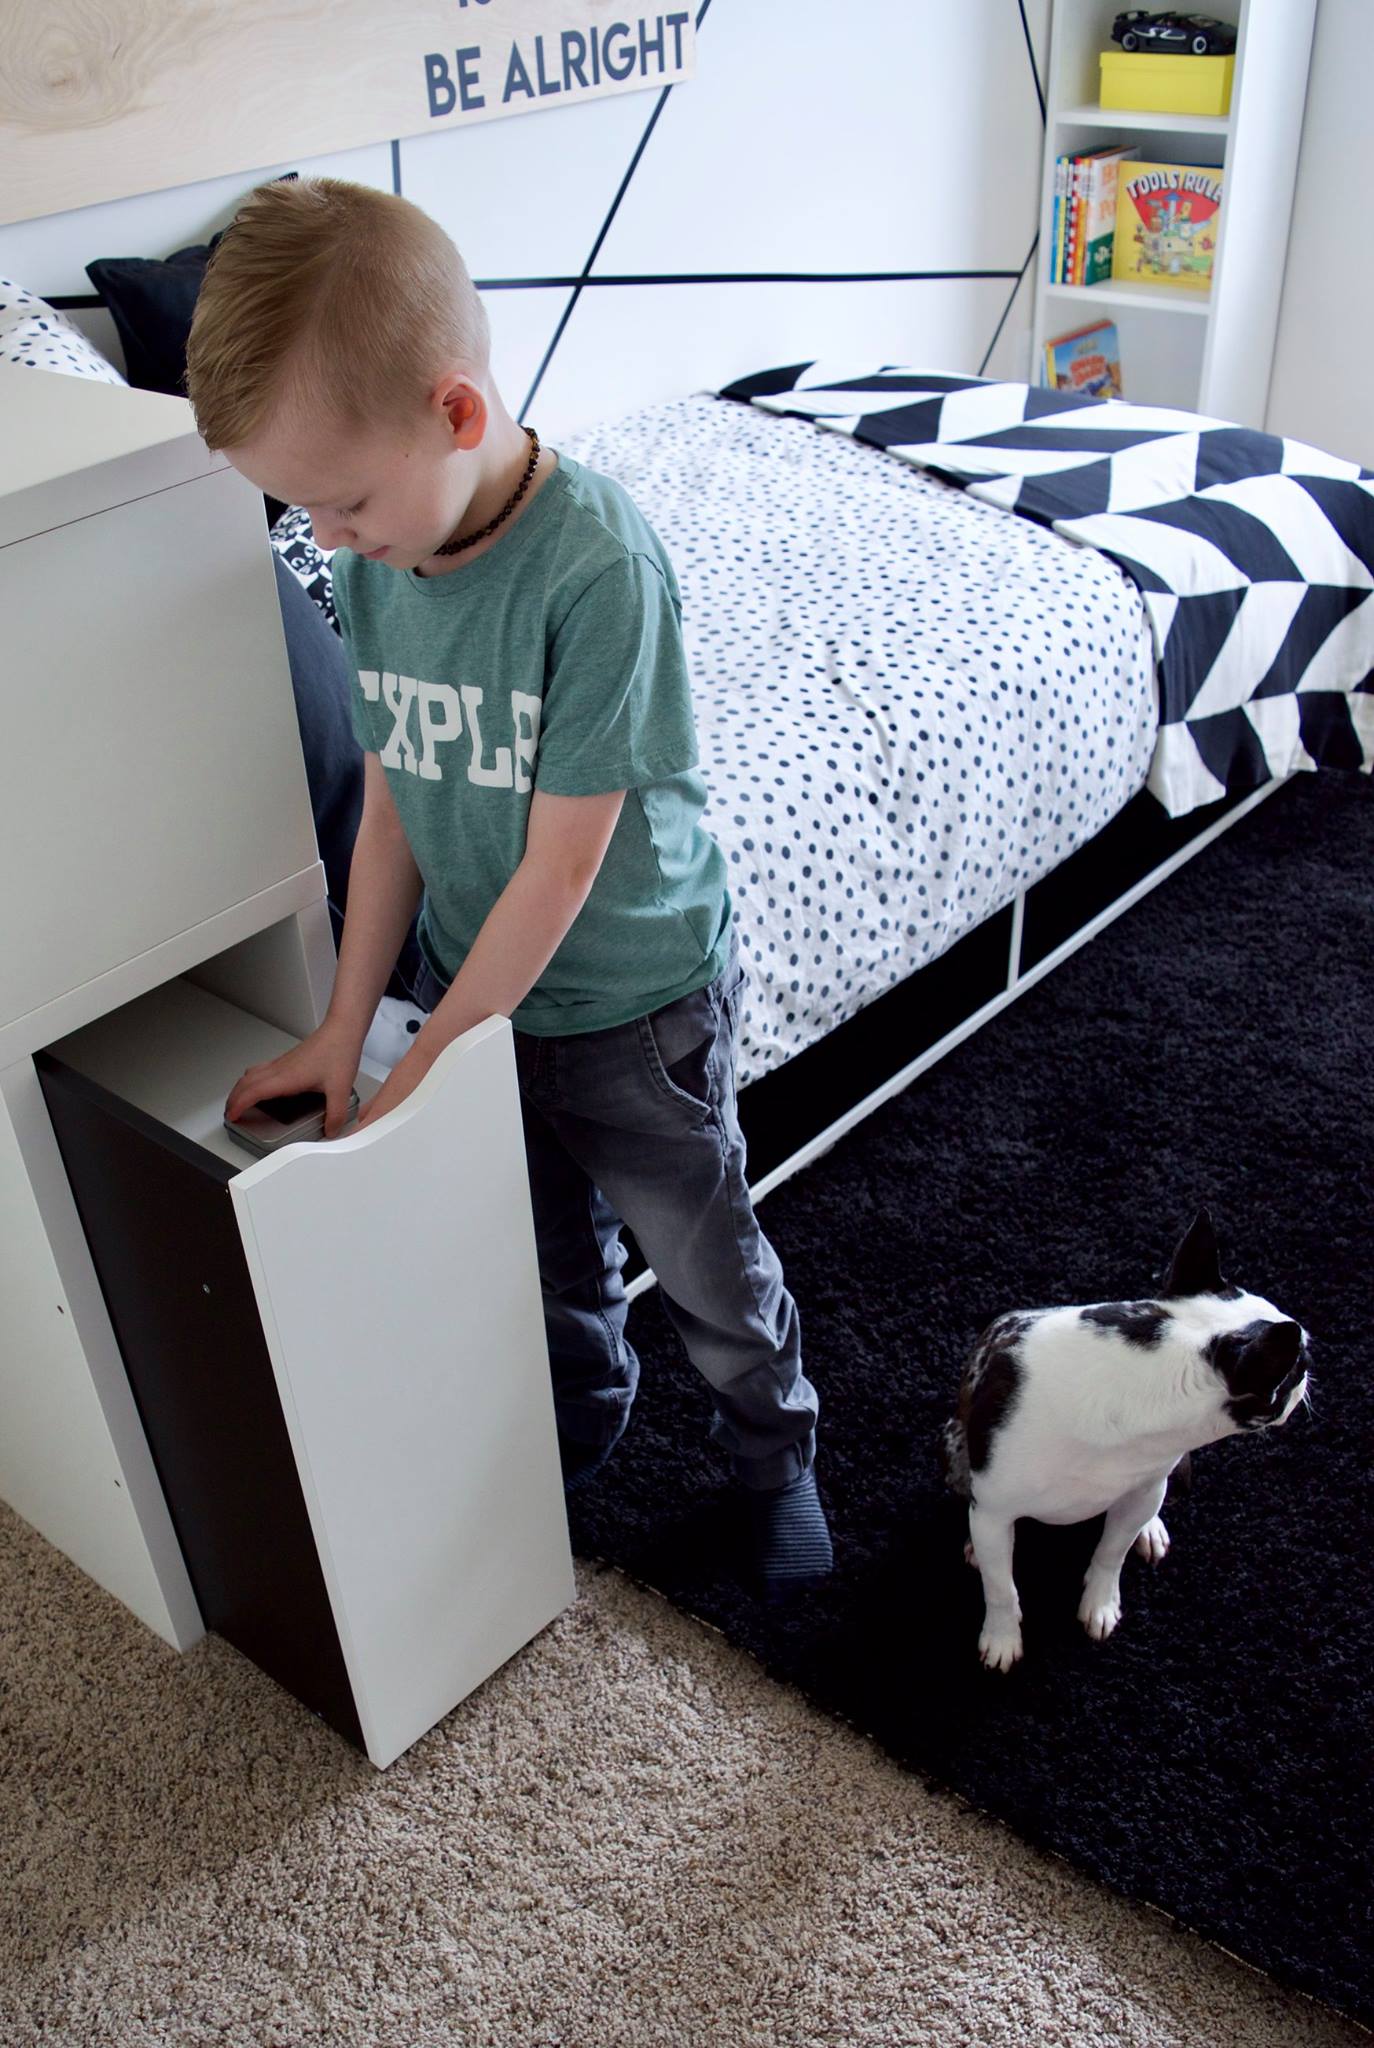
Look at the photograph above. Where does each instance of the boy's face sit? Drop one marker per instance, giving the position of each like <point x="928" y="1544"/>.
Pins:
<point x="395" y="493"/>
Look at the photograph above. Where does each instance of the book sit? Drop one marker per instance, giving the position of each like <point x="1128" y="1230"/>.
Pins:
<point x="1079" y="180"/>
<point x="1084" y="214"/>
<point x="1078" y="186"/>
<point x="1088" y="361"/>
<point x="1099" y="225"/>
<point x="1063" y="215"/>
<point x="1057" y="242"/>
<point x="1167" y="220"/>
<point x="1064" y="254"/>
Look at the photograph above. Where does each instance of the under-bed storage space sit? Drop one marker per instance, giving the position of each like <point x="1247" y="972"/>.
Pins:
<point x="337" y="1353"/>
<point x="1141" y="838"/>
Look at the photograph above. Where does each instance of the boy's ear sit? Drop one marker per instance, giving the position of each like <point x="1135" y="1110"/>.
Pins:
<point x="464" y="404"/>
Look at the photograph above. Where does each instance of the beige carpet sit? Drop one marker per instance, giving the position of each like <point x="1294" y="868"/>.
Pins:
<point x="629" y="1835"/>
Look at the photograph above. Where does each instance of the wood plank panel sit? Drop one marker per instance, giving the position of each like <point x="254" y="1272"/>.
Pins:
<point x="127" y="96"/>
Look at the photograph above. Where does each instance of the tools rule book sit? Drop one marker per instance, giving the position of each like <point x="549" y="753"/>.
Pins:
<point x="644" y="50"/>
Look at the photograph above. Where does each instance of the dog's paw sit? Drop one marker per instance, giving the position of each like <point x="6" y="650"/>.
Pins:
<point x="1153" y="1541"/>
<point x="1100" y="1608"/>
<point x="999" y="1645"/>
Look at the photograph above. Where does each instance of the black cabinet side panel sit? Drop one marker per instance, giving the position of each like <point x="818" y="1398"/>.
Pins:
<point x="167" y="1252"/>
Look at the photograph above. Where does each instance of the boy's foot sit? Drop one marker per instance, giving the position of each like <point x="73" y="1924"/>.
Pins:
<point x="788" y="1538"/>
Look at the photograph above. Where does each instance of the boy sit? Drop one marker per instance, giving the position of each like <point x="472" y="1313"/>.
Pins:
<point x="524" y="705"/>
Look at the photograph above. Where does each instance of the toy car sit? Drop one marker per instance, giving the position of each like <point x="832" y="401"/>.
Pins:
<point x="1169" y="33"/>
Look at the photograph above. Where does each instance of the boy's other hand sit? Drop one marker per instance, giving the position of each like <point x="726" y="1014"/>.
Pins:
<point x="403" y="1079"/>
<point x="325" y="1063"/>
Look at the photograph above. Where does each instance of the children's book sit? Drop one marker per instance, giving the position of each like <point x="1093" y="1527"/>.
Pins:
<point x="1060" y="192"/>
<point x="1063" y="254"/>
<point x="1088" y="361"/>
<point x="1081" y="167"/>
<point x="1099" y="221"/>
<point x="1167" y="217"/>
<point x="1084" y="214"/>
<point x="1071" y="223"/>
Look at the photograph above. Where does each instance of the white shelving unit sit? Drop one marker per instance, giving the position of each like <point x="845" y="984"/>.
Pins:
<point x="301" y="1400"/>
<point x="1210" y="353"/>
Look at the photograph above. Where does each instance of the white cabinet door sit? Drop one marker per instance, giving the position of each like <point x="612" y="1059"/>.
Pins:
<point x="396" y="1278"/>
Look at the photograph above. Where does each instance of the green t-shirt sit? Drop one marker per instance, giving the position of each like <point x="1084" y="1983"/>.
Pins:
<point x="553" y="660"/>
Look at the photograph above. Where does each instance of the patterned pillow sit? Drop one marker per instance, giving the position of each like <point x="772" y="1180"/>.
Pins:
<point x="34" y="333"/>
<point x="294" y="540"/>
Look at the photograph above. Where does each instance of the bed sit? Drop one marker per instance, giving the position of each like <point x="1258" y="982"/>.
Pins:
<point x="942" y="689"/>
<point x="893" y="742"/>
<point x="973" y="669"/>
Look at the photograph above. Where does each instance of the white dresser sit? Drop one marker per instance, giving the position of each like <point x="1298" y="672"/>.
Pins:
<point x="305" y="1400"/>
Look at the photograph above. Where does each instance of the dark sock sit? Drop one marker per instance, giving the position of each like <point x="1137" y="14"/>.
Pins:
<point x="580" y="1460"/>
<point x="790" y="1540"/>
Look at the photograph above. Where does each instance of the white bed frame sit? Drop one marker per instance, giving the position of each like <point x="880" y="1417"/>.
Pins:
<point x="1017" y="982"/>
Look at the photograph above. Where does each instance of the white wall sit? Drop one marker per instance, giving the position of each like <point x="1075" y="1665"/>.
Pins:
<point x="1321" y="389"/>
<point x="817" y="138"/>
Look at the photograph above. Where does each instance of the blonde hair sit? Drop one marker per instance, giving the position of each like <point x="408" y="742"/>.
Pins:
<point x="333" y="297"/>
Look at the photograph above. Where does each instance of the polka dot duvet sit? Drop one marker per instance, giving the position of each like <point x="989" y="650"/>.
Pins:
<point x="909" y="706"/>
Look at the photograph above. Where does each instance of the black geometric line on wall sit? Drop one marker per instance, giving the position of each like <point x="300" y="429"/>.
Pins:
<point x="66" y="302"/>
<point x="586" y="281"/>
<point x="526" y="284"/>
<point x="1030" y="52"/>
<point x="396" y="170"/>
<point x="581" y="282"/>
<point x="1011" y="301"/>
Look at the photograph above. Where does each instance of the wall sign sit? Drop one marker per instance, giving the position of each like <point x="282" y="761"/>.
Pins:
<point x="125" y="96"/>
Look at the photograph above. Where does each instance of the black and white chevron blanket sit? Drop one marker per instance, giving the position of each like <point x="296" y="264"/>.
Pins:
<point x="1254" y="554"/>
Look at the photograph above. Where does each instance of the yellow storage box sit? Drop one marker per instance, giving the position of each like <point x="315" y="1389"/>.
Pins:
<point x="1167" y="85"/>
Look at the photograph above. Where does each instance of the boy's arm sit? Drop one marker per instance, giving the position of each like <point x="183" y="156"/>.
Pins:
<point x="565" y="844"/>
<point x="384" y="888"/>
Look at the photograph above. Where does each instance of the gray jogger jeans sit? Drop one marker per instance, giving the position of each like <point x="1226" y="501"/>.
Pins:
<point x="637" y="1124"/>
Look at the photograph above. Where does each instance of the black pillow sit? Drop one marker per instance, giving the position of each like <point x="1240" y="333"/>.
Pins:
<point x="152" y="303"/>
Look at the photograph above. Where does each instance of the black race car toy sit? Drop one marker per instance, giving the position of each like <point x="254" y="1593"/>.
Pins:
<point x="1171" y="34"/>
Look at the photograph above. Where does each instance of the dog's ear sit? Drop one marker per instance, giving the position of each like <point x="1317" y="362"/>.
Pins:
<point x="1195" y="1267"/>
<point x="1266" y="1361"/>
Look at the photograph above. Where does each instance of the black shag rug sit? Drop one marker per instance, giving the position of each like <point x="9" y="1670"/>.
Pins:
<point x="1213" y="1757"/>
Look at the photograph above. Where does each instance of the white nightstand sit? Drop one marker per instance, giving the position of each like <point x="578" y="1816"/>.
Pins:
<point x="303" y="1401"/>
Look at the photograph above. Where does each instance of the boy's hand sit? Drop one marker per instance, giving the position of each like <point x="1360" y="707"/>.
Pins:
<point x="404" y="1078"/>
<point x="325" y="1062"/>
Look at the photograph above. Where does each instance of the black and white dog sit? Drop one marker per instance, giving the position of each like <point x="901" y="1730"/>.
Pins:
<point x="1067" y="1413"/>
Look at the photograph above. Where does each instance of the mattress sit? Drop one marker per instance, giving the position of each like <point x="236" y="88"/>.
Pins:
<point x="1252" y="552"/>
<point x="909" y="707"/>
